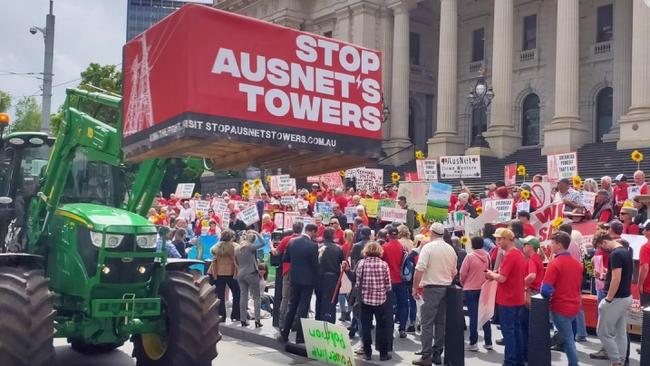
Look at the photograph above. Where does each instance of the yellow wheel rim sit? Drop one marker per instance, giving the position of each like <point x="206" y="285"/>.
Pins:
<point x="154" y="346"/>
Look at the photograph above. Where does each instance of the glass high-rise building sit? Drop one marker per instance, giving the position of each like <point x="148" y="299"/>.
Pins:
<point x="142" y="14"/>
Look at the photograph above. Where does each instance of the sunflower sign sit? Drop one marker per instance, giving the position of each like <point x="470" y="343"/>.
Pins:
<point x="252" y="188"/>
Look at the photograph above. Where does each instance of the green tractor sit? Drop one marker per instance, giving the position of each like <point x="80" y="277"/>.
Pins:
<point x="79" y="263"/>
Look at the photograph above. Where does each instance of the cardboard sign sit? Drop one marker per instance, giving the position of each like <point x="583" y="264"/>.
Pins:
<point x="460" y="167"/>
<point x="438" y="201"/>
<point x="541" y="192"/>
<point x="588" y="200"/>
<point x="331" y="180"/>
<point x="427" y="169"/>
<point x="368" y="179"/>
<point x="288" y="201"/>
<point x="371" y="205"/>
<point x="392" y="214"/>
<point x="562" y="166"/>
<point x="633" y="192"/>
<point x="542" y="218"/>
<point x="510" y="174"/>
<point x="523" y="206"/>
<point x="219" y="206"/>
<point x="416" y="195"/>
<point x="385" y="203"/>
<point x="203" y="206"/>
<point x="249" y="215"/>
<point x="351" y="213"/>
<point x="184" y="190"/>
<point x="282" y="184"/>
<point x="504" y="207"/>
<point x="325" y="209"/>
<point x="327" y="342"/>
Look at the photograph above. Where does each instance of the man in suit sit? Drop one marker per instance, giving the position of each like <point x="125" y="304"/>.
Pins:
<point x="302" y="253"/>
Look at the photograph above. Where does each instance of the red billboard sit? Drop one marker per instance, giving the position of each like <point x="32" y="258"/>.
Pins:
<point x="203" y="73"/>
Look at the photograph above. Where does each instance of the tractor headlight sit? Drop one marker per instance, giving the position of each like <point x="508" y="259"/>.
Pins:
<point x="146" y="241"/>
<point x="112" y="240"/>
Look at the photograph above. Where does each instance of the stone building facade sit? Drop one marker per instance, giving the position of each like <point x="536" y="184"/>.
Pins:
<point x="564" y="72"/>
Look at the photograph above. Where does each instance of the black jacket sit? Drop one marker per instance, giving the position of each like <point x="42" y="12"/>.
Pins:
<point x="302" y="253"/>
<point x="331" y="259"/>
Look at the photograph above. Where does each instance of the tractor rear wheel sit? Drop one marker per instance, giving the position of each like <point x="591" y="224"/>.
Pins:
<point x="190" y="313"/>
<point x="91" y="348"/>
<point x="27" y="321"/>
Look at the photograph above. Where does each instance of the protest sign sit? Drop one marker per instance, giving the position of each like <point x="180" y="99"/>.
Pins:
<point x="368" y="179"/>
<point x="416" y="195"/>
<point x="249" y="215"/>
<point x="371" y="205"/>
<point x="504" y="207"/>
<point x="510" y="174"/>
<point x="225" y="219"/>
<point x="523" y="206"/>
<point x="219" y="206"/>
<point x="255" y="188"/>
<point x="306" y="220"/>
<point x="282" y="184"/>
<point x="287" y="200"/>
<point x="588" y="200"/>
<point x="184" y="190"/>
<point x="562" y="166"/>
<point x="392" y="214"/>
<point x="468" y="166"/>
<point x="486" y="302"/>
<point x="331" y="180"/>
<point x="541" y="192"/>
<point x="473" y="226"/>
<point x="350" y="213"/>
<point x="327" y="342"/>
<point x="427" y="169"/>
<point x="438" y="201"/>
<point x="636" y="242"/>
<point x="203" y="206"/>
<point x="325" y="209"/>
<point x="542" y="218"/>
<point x="411" y="177"/>
<point x="633" y="192"/>
<point x="384" y="203"/>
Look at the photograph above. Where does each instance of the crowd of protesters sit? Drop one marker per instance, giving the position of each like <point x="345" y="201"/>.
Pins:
<point x="393" y="277"/>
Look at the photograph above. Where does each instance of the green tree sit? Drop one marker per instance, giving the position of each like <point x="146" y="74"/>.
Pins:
<point x="28" y="115"/>
<point x="5" y="101"/>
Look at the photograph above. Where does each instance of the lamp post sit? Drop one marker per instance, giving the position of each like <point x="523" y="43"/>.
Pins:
<point x="48" y="35"/>
<point x="480" y="97"/>
<point x="385" y="110"/>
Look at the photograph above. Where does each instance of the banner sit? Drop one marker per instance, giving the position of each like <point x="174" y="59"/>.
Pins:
<point x="468" y="166"/>
<point x="438" y="201"/>
<point x="510" y="174"/>
<point x="588" y="200"/>
<point x="371" y="205"/>
<point x="249" y="215"/>
<point x="204" y="71"/>
<point x="427" y="169"/>
<point x="184" y="190"/>
<point x="542" y="218"/>
<point x="562" y="166"/>
<point x="504" y="207"/>
<point x="391" y="214"/>
<point x="282" y="184"/>
<point x="327" y="342"/>
<point x="368" y="179"/>
<point x="541" y="192"/>
<point x="325" y="209"/>
<point x="416" y="195"/>
<point x="331" y="180"/>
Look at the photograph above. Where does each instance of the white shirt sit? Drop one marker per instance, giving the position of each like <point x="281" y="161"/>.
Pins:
<point x="437" y="261"/>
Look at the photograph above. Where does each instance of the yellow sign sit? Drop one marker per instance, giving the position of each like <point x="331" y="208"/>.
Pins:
<point x="371" y="205"/>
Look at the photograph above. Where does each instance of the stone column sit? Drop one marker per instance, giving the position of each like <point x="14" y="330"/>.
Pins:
<point x="565" y="132"/>
<point x="501" y="135"/>
<point x="635" y="126"/>
<point x="386" y="45"/>
<point x="342" y="31"/>
<point x="621" y="79"/>
<point x="446" y="140"/>
<point x="364" y="24"/>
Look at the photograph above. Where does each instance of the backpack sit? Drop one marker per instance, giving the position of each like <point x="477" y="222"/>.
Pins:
<point x="408" y="267"/>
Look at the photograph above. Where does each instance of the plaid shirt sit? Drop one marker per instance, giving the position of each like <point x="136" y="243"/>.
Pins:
<point x="374" y="279"/>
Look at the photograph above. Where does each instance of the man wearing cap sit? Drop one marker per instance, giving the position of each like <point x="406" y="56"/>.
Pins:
<point x="644" y="267"/>
<point x="394" y="256"/>
<point x="563" y="285"/>
<point x="620" y="192"/>
<point x="567" y="195"/>
<point x="434" y="273"/>
<point x="510" y="296"/>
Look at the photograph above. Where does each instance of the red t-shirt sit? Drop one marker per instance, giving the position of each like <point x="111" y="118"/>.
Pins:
<point x="284" y="243"/>
<point x="338" y="237"/>
<point x="620" y="193"/>
<point x="605" y="256"/>
<point x="564" y="273"/>
<point x="632" y="229"/>
<point x="393" y="255"/>
<point x="342" y="202"/>
<point x="644" y="258"/>
<point x="536" y="266"/>
<point x="529" y="229"/>
<point x="268" y="227"/>
<point x="511" y="292"/>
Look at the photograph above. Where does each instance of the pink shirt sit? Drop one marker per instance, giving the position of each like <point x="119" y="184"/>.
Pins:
<point x="472" y="271"/>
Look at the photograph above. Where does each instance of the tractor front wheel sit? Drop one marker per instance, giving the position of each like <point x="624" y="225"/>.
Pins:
<point x="188" y="317"/>
<point x="27" y="321"/>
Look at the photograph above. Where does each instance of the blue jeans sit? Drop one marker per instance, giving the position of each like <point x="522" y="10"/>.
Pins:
<point x="471" y="300"/>
<point x="343" y="303"/>
<point x="510" y="320"/>
<point x="564" y="327"/>
<point x="400" y="295"/>
<point x="579" y="326"/>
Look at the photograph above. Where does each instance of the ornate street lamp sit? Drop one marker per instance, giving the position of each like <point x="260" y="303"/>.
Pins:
<point x="480" y="97"/>
<point x="385" y="110"/>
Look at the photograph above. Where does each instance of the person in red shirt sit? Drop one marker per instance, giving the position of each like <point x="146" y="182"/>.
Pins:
<point x="340" y="199"/>
<point x="338" y="233"/>
<point x="627" y="218"/>
<point x="286" y="267"/>
<point x="532" y="281"/>
<point x="393" y="255"/>
<point x="529" y="229"/>
<point x="563" y="284"/>
<point x="267" y="224"/>
<point x="318" y="221"/>
<point x="510" y="296"/>
<point x="620" y="192"/>
<point x="639" y="181"/>
<point x="603" y="211"/>
<point x="233" y="195"/>
<point x="361" y="212"/>
<point x="644" y="267"/>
